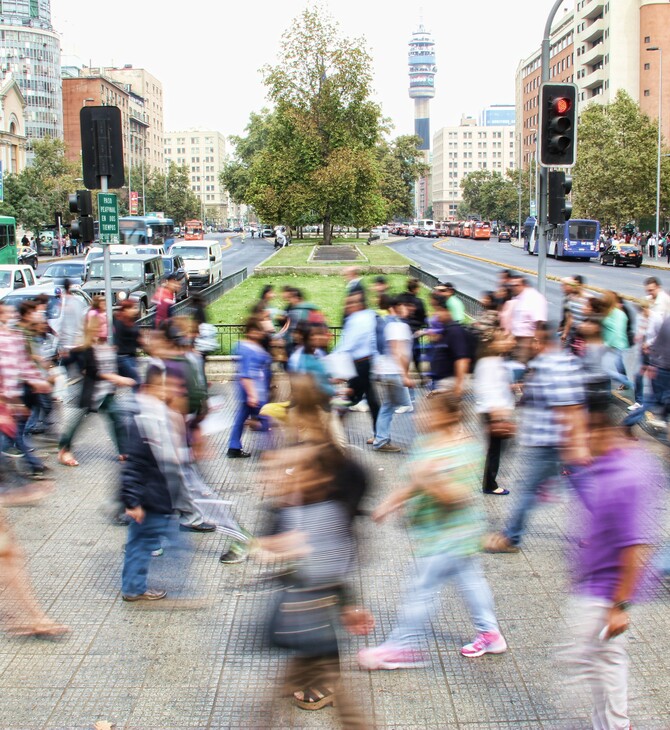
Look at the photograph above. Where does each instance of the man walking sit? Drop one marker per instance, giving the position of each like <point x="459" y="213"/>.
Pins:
<point x="529" y="309"/>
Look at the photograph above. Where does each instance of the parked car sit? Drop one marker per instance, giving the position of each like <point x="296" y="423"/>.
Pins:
<point x="27" y="256"/>
<point x="174" y="264"/>
<point x="622" y="254"/>
<point x="504" y="236"/>
<point x="57" y="272"/>
<point x="13" y="277"/>
<point x="132" y="276"/>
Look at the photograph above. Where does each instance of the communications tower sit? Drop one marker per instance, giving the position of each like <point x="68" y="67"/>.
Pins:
<point x="422" y="70"/>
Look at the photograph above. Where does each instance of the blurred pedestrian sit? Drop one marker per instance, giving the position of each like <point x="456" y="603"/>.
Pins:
<point x="416" y="319"/>
<point x="528" y="309"/>
<point x="127" y="339"/>
<point x="454" y="303"/>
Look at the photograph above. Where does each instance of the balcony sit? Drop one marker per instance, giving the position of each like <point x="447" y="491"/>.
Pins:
<point x="593" y="55"/>
<point x="594" y="79"/>
<point x="593" y="32"/>
<point x="593" y="9"/>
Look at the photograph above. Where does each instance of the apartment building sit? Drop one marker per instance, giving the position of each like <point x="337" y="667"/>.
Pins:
<point x="204" y="153"/>
<point x="460" y="150"/>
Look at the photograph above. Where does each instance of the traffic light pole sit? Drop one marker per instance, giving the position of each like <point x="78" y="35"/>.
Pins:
<point x="543" y="173"/>
<point x="107" y="273"/>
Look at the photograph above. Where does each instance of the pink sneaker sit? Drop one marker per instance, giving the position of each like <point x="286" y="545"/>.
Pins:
<point x="489" y="642"/>
<point x="389" y="657"/>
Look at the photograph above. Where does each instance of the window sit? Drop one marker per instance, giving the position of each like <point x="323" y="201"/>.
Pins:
<point x="647" y="66"/>
<point x="647" y="39"/>
<point x="34" y="9"/>
<point x="646" y="92"/>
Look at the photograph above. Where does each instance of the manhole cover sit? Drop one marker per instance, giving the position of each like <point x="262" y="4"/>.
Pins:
<point x="336" y="253"/>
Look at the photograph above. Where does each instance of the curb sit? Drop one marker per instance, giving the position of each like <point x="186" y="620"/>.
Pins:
<point x="551" y="277"/>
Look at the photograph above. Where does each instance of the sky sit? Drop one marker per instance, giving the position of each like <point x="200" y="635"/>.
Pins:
<point x="208" y="59"/>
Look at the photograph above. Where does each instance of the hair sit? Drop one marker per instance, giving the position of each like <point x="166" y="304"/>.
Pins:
<point x="66" y="286"/>
<point x="97" y="302"/>
<point x="26" y="307"/>
<point x="437" y="300"/>
<point x="266" y="290"/>
<point x="579" y="279"/>
<point x="380" y="279"/>
<point x="610" y="301"/>
<point x="492" y="299"/>
<point x="651" y="280"/>
<point x="444" y="410"/>
<point x="155" y="374"/>
<point x="449" y="285"/>
<point x="386" y="301"/>
<point x="413" y="285"/>
<point x="252" y="324"/>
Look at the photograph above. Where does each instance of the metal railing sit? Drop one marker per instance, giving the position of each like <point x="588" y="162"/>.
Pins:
<point x="209" y="295"/>
<point x="473" y="307"/>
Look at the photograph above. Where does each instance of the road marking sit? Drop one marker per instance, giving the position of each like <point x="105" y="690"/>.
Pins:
<point x="227" y="244"/>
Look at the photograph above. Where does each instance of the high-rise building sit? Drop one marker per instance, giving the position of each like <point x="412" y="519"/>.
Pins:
<point x="460" y="150"/>
<point x="30" y="51"/>
<point x="422" y="70"/>
<point x="655" y="33"/>
<point x="204" y="153"/>
<point x="146" y="110"/>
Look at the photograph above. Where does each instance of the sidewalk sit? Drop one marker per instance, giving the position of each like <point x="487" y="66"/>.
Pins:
<point x="154" y="668"/>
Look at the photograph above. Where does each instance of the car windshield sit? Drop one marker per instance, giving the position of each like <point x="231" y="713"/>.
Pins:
<point x="63" y="270"/>
<point x="119" y="270"/>
<point x="190" y="252"/>
<point x="5" y="279"/>
<point x="582" y="231"/>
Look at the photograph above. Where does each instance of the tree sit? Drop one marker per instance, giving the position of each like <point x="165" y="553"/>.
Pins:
<point x="491" y="195"/>
<point x="36" y="193"/>
<point x="615" y="173"/>
<point x="172" y="194"/>
<point x="402" y="163"/>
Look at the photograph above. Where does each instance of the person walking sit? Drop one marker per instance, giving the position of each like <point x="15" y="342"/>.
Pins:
<point x="446" y="526"/>
<point x="552" y="425"/>
<point x="416" y="319"/>
<point x="615" y="336"/>
<point x="528" y="310"/>
<point x="128" y="339"/>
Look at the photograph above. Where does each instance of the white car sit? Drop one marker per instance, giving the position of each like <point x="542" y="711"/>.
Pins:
<point x="13" y="277"/>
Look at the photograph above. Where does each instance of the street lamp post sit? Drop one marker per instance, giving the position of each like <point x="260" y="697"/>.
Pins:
<point x="660" y="136"/>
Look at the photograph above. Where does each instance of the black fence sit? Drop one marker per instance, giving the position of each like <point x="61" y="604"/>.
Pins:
<point x="473" y="307"/>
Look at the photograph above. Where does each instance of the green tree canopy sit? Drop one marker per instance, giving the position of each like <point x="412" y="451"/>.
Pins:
<point x="492" y="196"/>
<point x="172" y="194"/>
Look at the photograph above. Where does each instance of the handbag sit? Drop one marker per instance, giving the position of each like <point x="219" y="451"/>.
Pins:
<point x="304" y="620"/>
<point x="502" y="426"/>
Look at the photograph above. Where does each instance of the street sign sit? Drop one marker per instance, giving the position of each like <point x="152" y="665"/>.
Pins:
<point x="533" y="209"/>
<point x="108" y="215"/>
<point x="134" y="202"/>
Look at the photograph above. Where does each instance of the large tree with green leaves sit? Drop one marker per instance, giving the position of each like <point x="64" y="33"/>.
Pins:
<point x="491" y="195"/>
<point x="42" y="188"/>
<point x="402" y="163"/>
<point x="172" y="194"/>
<point x="615" y="174"/>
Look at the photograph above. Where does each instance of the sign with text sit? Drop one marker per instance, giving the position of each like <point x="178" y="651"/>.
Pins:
<point x="134" y="202"/>
<point x="108" y="216"/>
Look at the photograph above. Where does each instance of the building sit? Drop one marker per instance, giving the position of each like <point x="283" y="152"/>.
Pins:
<point x="655" y="33"/>
<point x="203" y="152"/>
<point x="460" y="150"/>
<point x="30" y="51"/>
<point x="12" y="126"/>
<point x="146" y="110"/>
<point x="422" y="70"/>
<point x="498" y="115"/>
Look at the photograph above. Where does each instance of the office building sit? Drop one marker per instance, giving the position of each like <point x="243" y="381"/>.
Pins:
<point x="30" y="51"/>
<point x="203" y="152"/>
<point x="460" y="150"/>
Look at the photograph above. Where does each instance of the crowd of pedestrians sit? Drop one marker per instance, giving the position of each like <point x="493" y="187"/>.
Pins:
<point x="548" y="385"/>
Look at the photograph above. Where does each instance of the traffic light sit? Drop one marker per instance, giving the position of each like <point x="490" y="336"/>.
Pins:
<point x="558" y="125"/>
<point x="559" y="209"/>
<point x="82" y="229"/>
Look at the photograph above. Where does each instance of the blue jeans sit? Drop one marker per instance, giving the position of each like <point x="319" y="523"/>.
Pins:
<point x="614" y="367"/>
<point x="393" y="394"/>
<point x="545" y="462"/>
<point x="142" y="539"/>
<point x="658" y="396"/>
<point x="244" y="411"/>
<point x="420" y="601"/>
<point x="127" y="367"/>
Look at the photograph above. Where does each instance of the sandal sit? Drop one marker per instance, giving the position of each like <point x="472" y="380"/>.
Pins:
<point x="314" y="699"/>
<point x="498" y="543"/>
<point x="67" y="459"/>
<point x="500" y="491"/>
<point x="45" y="629"/>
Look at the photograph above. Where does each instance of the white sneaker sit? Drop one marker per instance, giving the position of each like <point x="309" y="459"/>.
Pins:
<point x="405" y="409"/>
<point x="657" y="423"/>
<point x="634" y="407"/>
<point x="362" y="407"/>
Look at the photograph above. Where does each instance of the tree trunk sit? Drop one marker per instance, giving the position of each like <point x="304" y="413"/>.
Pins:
<point x="327" y="231"/>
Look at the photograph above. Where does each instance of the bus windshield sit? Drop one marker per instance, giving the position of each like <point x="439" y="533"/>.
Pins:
<point x="190" y="252"/>
<point x="119" y="270"/>
<point x="582" y="231"/>
<point x="133" y="233"/>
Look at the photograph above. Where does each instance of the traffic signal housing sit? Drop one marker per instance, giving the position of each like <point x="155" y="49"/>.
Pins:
<point x="558" y="125"/>
<point x="83" y="228"/>
<point x="559" y="209"/>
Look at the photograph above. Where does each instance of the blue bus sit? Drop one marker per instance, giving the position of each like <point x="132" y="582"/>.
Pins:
<point x="146" y="230"/>
<point x="529" y="233"/>
<point x="575" y="239"/>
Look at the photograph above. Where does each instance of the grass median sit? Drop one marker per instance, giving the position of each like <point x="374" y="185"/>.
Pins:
<point x="298" y="253"/>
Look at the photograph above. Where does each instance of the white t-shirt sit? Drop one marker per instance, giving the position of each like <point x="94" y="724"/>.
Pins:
<point x="491" y="384"/>
<point x="394" y="331"/>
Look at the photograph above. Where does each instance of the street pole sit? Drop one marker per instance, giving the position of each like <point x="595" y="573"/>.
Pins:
<point x="130" y="166"/>
<point x="107" y="271"/>
<point x="660" y="139"/>
<point x="541" y="190"/>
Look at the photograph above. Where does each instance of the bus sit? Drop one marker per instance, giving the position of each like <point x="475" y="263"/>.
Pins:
<point x="466" y="229"/>
<point x="145" y="230"/>
<point x="530" y="235"/>
<point x="481" y="230"/>
<point x="194" y="231"/>
<point x="575" y="239"/>
<point x="8" y="254"/>
<point x="425" y="224"/>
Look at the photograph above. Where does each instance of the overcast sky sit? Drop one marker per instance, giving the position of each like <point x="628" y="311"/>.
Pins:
<point x="208" y="58"/>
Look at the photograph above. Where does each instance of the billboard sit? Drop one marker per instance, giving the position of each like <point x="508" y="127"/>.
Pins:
<point x="503" y="117"/>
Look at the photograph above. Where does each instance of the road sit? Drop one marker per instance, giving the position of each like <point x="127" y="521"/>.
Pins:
<point x="473" y="277"/>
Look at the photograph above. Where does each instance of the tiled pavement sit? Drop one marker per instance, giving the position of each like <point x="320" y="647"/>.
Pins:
<point x="166" y="668"/>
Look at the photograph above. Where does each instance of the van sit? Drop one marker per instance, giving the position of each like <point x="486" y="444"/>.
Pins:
<point x="13" y="277"/>
<point x="203" y="261"/>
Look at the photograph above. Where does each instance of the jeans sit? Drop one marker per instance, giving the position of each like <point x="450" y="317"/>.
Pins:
<point x="601" y="665"/>
<point x="545" y="462"/>
<point x="24" y="447"/>
<point x="127" y="367"/>
<point x="110" y="408"/>
<point x="244" y="411"/>
<point x="362" y="386"/>
<point x="614" y="367"/>
<point x="656" y="397"/>
<point x="39" y="415"/>
<point x="393" y="394"/>
<point x="142" y="539"/>
<point x="420" y="600"/>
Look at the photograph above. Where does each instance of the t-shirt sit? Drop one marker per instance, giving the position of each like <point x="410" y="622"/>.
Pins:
<point x="618" y="494"/>
<point x="457" y="308"/>
<point x="436" y="527"/>
<point x="394" y="331"/>
<point x="615" y="329"/>
<point x="253" y="362"/>
<point x="528" y="308"/>
<point x="451" y="346"/>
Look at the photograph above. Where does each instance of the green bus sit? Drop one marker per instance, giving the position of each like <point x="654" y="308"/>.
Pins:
<point x="8" y="254"/>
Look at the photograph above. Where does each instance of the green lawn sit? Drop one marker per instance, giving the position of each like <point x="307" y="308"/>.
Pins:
<point x="298" y="252"/>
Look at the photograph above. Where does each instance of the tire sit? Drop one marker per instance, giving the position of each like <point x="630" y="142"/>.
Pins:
<point x="637" y="266"/>
<point x="616" y="263"/>
<point x="602" y="261"/>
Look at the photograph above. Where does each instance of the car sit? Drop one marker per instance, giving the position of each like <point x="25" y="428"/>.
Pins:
<point x="504" y="236"/>
<point x="27" y="256"/>
<point x="135" y="277"/>
<point x="174" y="264"/>
<point x="13" y="277"/>
<point x="267" y="232"/>
<point x="58" y="271"/>
<point x="622" y="254"/>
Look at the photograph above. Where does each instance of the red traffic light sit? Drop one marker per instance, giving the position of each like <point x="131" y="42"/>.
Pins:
<point x="562" y="105"/>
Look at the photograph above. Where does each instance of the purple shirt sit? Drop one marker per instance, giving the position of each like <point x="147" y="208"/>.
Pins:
<point x="618" y="494"/>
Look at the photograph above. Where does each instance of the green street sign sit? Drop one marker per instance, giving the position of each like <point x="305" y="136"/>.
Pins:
<point x="108" y="216"/>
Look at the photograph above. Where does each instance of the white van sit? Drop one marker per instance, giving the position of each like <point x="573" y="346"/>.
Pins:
<point x="203" y="261"/>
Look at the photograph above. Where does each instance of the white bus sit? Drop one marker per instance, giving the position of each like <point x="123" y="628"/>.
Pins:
<point x="425" y="224"/>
